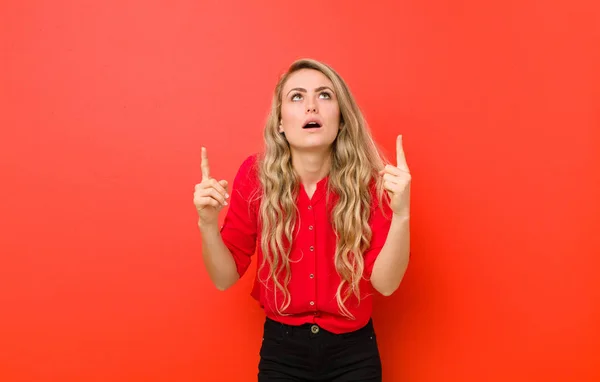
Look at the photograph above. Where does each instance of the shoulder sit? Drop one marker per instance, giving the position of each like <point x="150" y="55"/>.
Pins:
<point x="250" y="162"/>
<point x="250" y="166"/>
<point x="247" y="177"/>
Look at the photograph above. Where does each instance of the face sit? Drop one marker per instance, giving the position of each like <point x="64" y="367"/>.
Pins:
<point x="310" y="113"/>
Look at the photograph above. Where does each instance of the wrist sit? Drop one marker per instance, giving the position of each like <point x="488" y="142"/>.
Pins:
<point x="208" y="228"/>
<point x="401" y="218"/>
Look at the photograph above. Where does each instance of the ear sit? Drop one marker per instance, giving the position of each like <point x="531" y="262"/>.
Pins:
<point x="280" y="127"/>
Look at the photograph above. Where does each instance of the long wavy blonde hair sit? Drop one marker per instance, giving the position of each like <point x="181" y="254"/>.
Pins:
<point x="356" y="161"/>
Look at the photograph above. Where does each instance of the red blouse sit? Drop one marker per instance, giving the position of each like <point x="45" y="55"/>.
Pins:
<point x="314" y="278"/>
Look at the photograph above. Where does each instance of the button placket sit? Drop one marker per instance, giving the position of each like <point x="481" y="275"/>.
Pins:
<point x="311" y="247"/>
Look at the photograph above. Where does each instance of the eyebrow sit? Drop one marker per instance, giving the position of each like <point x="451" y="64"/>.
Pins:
<point x="316" y="90"/>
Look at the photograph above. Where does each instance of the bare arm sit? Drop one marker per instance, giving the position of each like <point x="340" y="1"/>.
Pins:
<point x="217" y="258"/>
<point x="210" y="197"/>
<point x="392" y="261"/>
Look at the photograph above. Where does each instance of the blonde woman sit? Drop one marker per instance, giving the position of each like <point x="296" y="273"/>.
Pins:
<point x="328" y="220"/>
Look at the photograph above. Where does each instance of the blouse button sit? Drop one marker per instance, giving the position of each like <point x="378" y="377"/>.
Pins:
<point x="310" y="207"/>
<point x="312" y="248"/>
<point x="310" y="227"/>
<point x="312" y="303"/>
<point x="311" y="276"/>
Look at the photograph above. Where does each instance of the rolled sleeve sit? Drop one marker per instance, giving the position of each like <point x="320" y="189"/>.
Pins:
<point x="380" y="222"/>
<point x="239" y="230"/>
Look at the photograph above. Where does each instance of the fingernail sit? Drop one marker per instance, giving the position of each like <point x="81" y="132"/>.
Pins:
<point x="225" y="203"/>
<point x="227" y="196"/>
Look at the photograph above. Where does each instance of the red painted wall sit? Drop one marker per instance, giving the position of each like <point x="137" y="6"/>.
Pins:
<point x="104" y="107"/>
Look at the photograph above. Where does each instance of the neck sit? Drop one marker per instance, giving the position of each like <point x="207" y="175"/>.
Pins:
<point x="311" y="166"/>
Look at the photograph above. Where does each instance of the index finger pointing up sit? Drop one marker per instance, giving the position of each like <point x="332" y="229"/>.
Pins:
<point x="400" y="157"/>
<point x="204" y="165"/>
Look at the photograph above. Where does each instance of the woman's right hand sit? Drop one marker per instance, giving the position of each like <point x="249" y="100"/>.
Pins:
<point x="210" y="195"/>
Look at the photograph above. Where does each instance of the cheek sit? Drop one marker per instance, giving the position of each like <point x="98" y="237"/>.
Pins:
<point x="284" y="113"/>
<point x="289" y="114"/>
<point x="332" y="112"/>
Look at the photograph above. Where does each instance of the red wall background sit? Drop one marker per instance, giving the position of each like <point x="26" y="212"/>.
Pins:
<point x="104" y="107"/>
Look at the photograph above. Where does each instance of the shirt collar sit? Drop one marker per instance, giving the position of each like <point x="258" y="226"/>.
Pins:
<point x="319" y="192"/>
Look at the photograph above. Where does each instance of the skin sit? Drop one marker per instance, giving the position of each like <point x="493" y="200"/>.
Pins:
<point x="392" y="262"/>
<point x="308" y="95"/>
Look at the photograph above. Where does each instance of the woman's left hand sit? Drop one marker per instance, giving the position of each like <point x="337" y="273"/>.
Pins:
<point x="396" y="180"/>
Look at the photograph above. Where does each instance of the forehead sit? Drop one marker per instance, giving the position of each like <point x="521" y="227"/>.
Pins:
<point x="308" y="79"/>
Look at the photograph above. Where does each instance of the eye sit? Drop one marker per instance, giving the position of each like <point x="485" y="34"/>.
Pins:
<point x="296" y="97"/>
<point x="325" y="95"/>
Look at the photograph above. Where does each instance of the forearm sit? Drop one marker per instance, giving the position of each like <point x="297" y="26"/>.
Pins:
<point x="217" y="258"/>
<point x="392" y="261"/>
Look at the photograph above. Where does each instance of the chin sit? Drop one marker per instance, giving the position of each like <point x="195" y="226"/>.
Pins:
<point x="315" y="141"/>
<point x="314" y="146"/>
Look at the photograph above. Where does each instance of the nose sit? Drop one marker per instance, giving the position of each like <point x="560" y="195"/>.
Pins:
<point x="311" y="107"/>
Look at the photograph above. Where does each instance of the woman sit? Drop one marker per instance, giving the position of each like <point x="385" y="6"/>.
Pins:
<point x="328" y="221"/>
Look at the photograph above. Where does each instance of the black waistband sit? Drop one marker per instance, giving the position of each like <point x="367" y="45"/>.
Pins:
<point x="307" y="328"/>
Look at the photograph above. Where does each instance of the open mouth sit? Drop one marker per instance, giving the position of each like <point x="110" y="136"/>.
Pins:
<point x="312" y="125"/>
